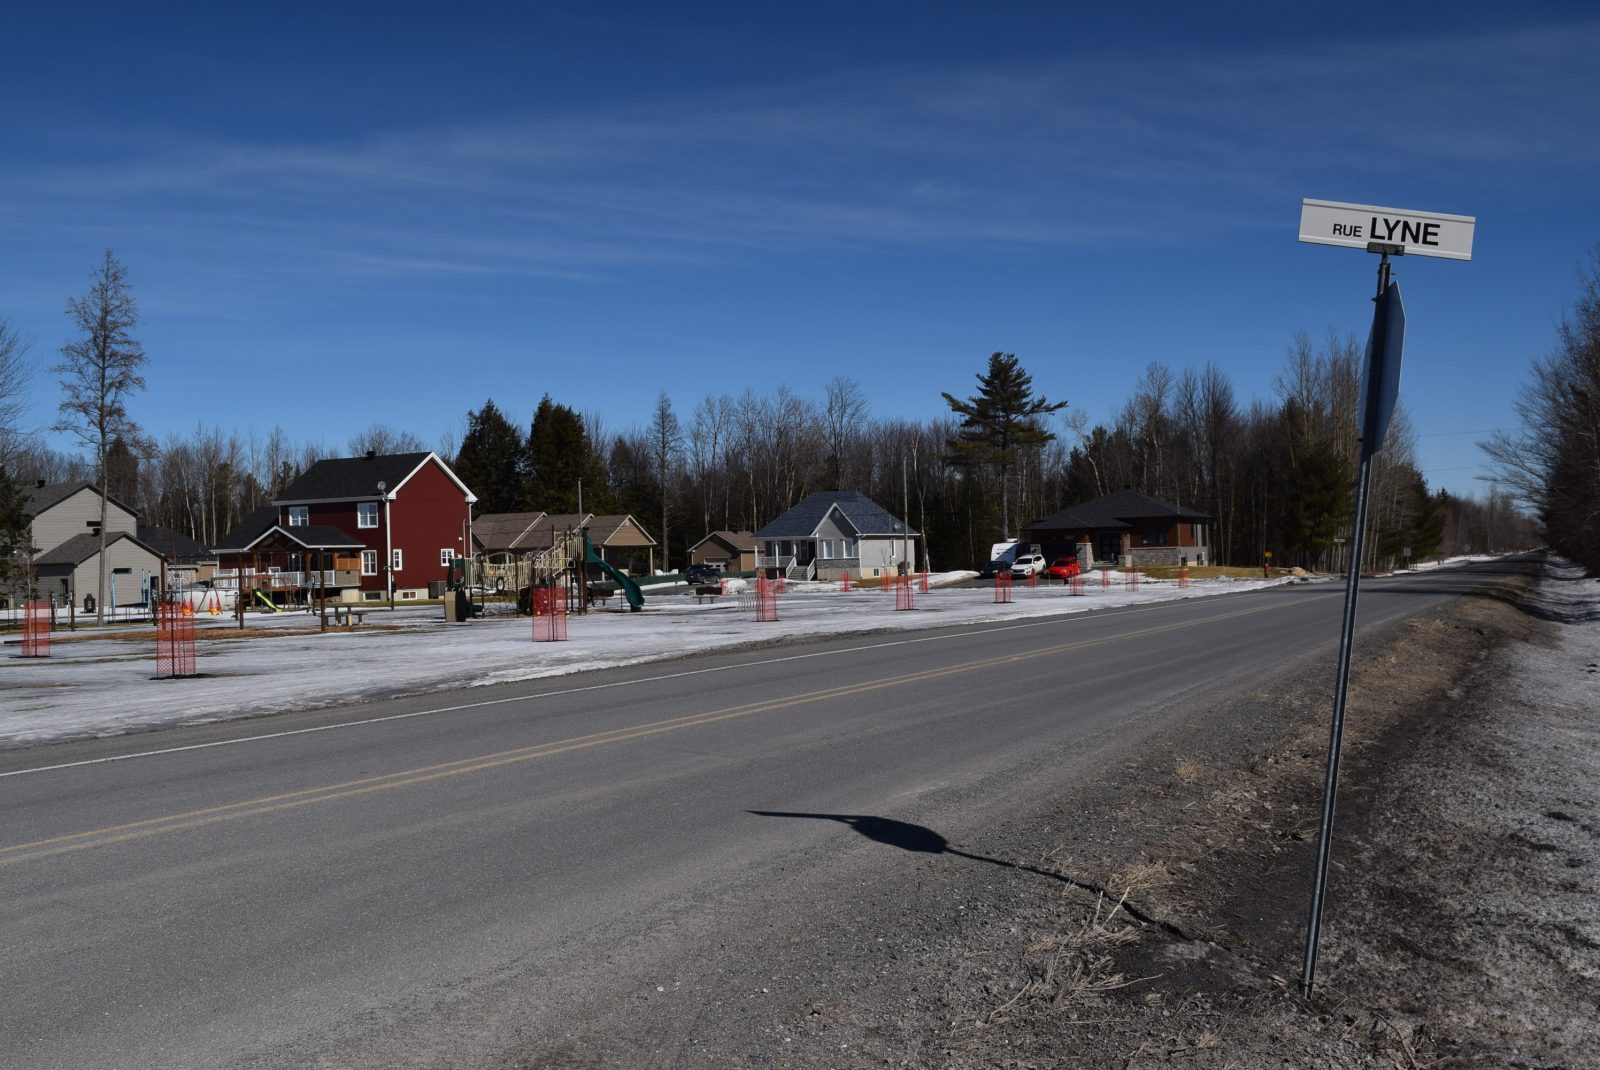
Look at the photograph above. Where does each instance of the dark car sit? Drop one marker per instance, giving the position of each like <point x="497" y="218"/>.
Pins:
<point x="702" y="575"/>
<point x="993" y="569"/>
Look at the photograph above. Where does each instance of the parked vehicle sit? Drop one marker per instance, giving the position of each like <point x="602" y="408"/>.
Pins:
<point x="698" y="575"/>
<point x="993" y="569"/>
<point x="1062" y="568"/>
<point x="1028" y="565"/>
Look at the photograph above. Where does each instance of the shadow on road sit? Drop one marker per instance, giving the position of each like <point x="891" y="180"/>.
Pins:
<point x="920" y="839"/>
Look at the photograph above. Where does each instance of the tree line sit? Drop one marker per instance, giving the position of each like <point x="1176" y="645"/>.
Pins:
<point x="1552" y="461"/>
<point x="1275" y="473"/>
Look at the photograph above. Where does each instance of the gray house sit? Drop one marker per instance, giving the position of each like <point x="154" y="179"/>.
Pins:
<point x="831" y="532"/>
<point x="62" y="518"/>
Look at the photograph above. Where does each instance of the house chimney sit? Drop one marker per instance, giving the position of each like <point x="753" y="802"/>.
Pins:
<point x="371" y="454"/>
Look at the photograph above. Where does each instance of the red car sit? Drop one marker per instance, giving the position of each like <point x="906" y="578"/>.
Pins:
<point x="1062" y="568"/>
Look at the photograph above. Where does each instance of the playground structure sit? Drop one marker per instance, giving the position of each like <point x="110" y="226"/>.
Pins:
<point x="554" y="566"/>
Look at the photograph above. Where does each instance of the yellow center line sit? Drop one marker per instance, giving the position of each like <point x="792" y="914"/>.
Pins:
<point x="268" y="804"/>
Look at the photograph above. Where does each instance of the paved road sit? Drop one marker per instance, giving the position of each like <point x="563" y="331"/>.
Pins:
<point x="357" y="886"/>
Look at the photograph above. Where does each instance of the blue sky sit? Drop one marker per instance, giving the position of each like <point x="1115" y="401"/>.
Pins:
<point x="335" y="215"/>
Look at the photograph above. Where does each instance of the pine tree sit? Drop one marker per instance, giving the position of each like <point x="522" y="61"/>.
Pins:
<point x="490" y="460"/>
<point x="558" y="456"/>
<point x="16" y="555"/>
<point x="1000" y="419"/>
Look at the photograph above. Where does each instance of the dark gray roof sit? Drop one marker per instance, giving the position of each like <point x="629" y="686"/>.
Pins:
<point x="174" y="545"/>
<point x="1118" y="510"/>
<point x="41" y="498"/>
<point x="343" y="478"/>
<point x="310" y="536"/>
<point x="80" y="548"/>
<point x="255" y="524"/>
<point x="317" y="537"/>
<point x="864" y="514"/>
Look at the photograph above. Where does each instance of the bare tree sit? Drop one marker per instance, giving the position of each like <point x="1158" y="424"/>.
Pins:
<point x="844" y="408"/>
<point x="666" y="449"/>
<point x="14" y="376"/>
<point x="383" y="439"/>
<point x="99" y="370"/>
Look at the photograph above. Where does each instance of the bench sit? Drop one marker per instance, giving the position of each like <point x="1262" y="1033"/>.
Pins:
<point x="351" y="615"/>
<point x="702" y="591"/>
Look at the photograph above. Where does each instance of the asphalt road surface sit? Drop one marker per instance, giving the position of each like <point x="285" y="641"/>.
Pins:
<point x="426" y="880"/>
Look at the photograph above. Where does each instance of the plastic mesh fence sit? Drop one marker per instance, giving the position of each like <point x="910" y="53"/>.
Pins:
<point x="174" y="640"/>
<point x="1002" y="586"/>
<point x="766" y="599"/>
<point x="549" y="615"/>
<point x="36" y="630"/>
<point x="903" y="597"/>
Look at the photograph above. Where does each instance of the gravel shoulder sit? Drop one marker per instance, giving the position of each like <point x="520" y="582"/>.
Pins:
<point x="1152" y="914"/>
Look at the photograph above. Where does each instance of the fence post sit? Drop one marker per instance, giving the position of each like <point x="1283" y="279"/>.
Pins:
<point x="1002" y="586"/>
<point x="903" y="598"/>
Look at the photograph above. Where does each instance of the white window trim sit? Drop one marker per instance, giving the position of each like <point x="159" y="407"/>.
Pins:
<point x="447" y="556"/>
<point x="363" y="516"/>
<point x="366" y="556"/>
<point x="299" y="516"/>
<point x="395" y="564"/>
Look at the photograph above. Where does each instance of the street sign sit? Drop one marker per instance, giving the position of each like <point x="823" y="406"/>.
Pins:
<point x="1380" y="380"/>
<point x="1359" y="226"/>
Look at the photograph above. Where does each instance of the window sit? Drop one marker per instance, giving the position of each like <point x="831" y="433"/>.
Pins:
<point x="447" y="556"/>
<point x="1155" y="535"/>
<point x="366" y="514"/>
<point x="369" y="562"/>
<point x="396" y="562"/>
<point x="299" y="516"/>
<point x="849" y="548"/>
<point x="827" y="549"/>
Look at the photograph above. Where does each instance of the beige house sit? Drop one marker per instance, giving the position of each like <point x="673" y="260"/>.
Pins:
<point x="64" y="519"/>
<point x="727" y="551"/>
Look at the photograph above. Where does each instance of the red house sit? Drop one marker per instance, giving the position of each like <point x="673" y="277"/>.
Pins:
<point x="399" y="519"/>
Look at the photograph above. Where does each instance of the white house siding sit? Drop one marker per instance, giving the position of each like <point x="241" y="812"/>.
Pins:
<point x="881" y="554"/>
<point x="71" y="516"/>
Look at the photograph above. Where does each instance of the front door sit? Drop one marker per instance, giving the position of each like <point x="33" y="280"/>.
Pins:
<point x="1108" y="547"/>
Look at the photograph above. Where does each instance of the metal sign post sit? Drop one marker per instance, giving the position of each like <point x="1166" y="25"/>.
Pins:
<point x="1388" y="232"/>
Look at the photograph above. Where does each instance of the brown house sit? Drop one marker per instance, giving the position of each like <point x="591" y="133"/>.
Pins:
<point x="1125" y="528"/>
<point x="728" y="551"/>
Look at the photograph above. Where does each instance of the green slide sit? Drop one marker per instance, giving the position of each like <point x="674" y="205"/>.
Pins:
<point x="270" y="603"/>
<point x="630" y="590"/>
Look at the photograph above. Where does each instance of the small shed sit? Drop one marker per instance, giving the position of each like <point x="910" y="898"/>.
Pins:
<point x="729" y="551"/>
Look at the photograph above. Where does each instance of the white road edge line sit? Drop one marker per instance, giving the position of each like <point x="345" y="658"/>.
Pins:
<point x="1060" y="619"/>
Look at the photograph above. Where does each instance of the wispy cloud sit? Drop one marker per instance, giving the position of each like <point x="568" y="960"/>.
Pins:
<point x="1124" y="147"/>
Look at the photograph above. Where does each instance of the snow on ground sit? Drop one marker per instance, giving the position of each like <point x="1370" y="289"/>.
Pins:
<point x="101" y="683"/>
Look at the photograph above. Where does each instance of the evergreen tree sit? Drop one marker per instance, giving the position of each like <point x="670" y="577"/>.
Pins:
<point x="558" y="456"/>
<point x="15" y="553"/>
<point x="1002" y="418"/>
<point x="491" y="459"/>
<point x="1316" y="502"/>
<point x="1427" y="522"/>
